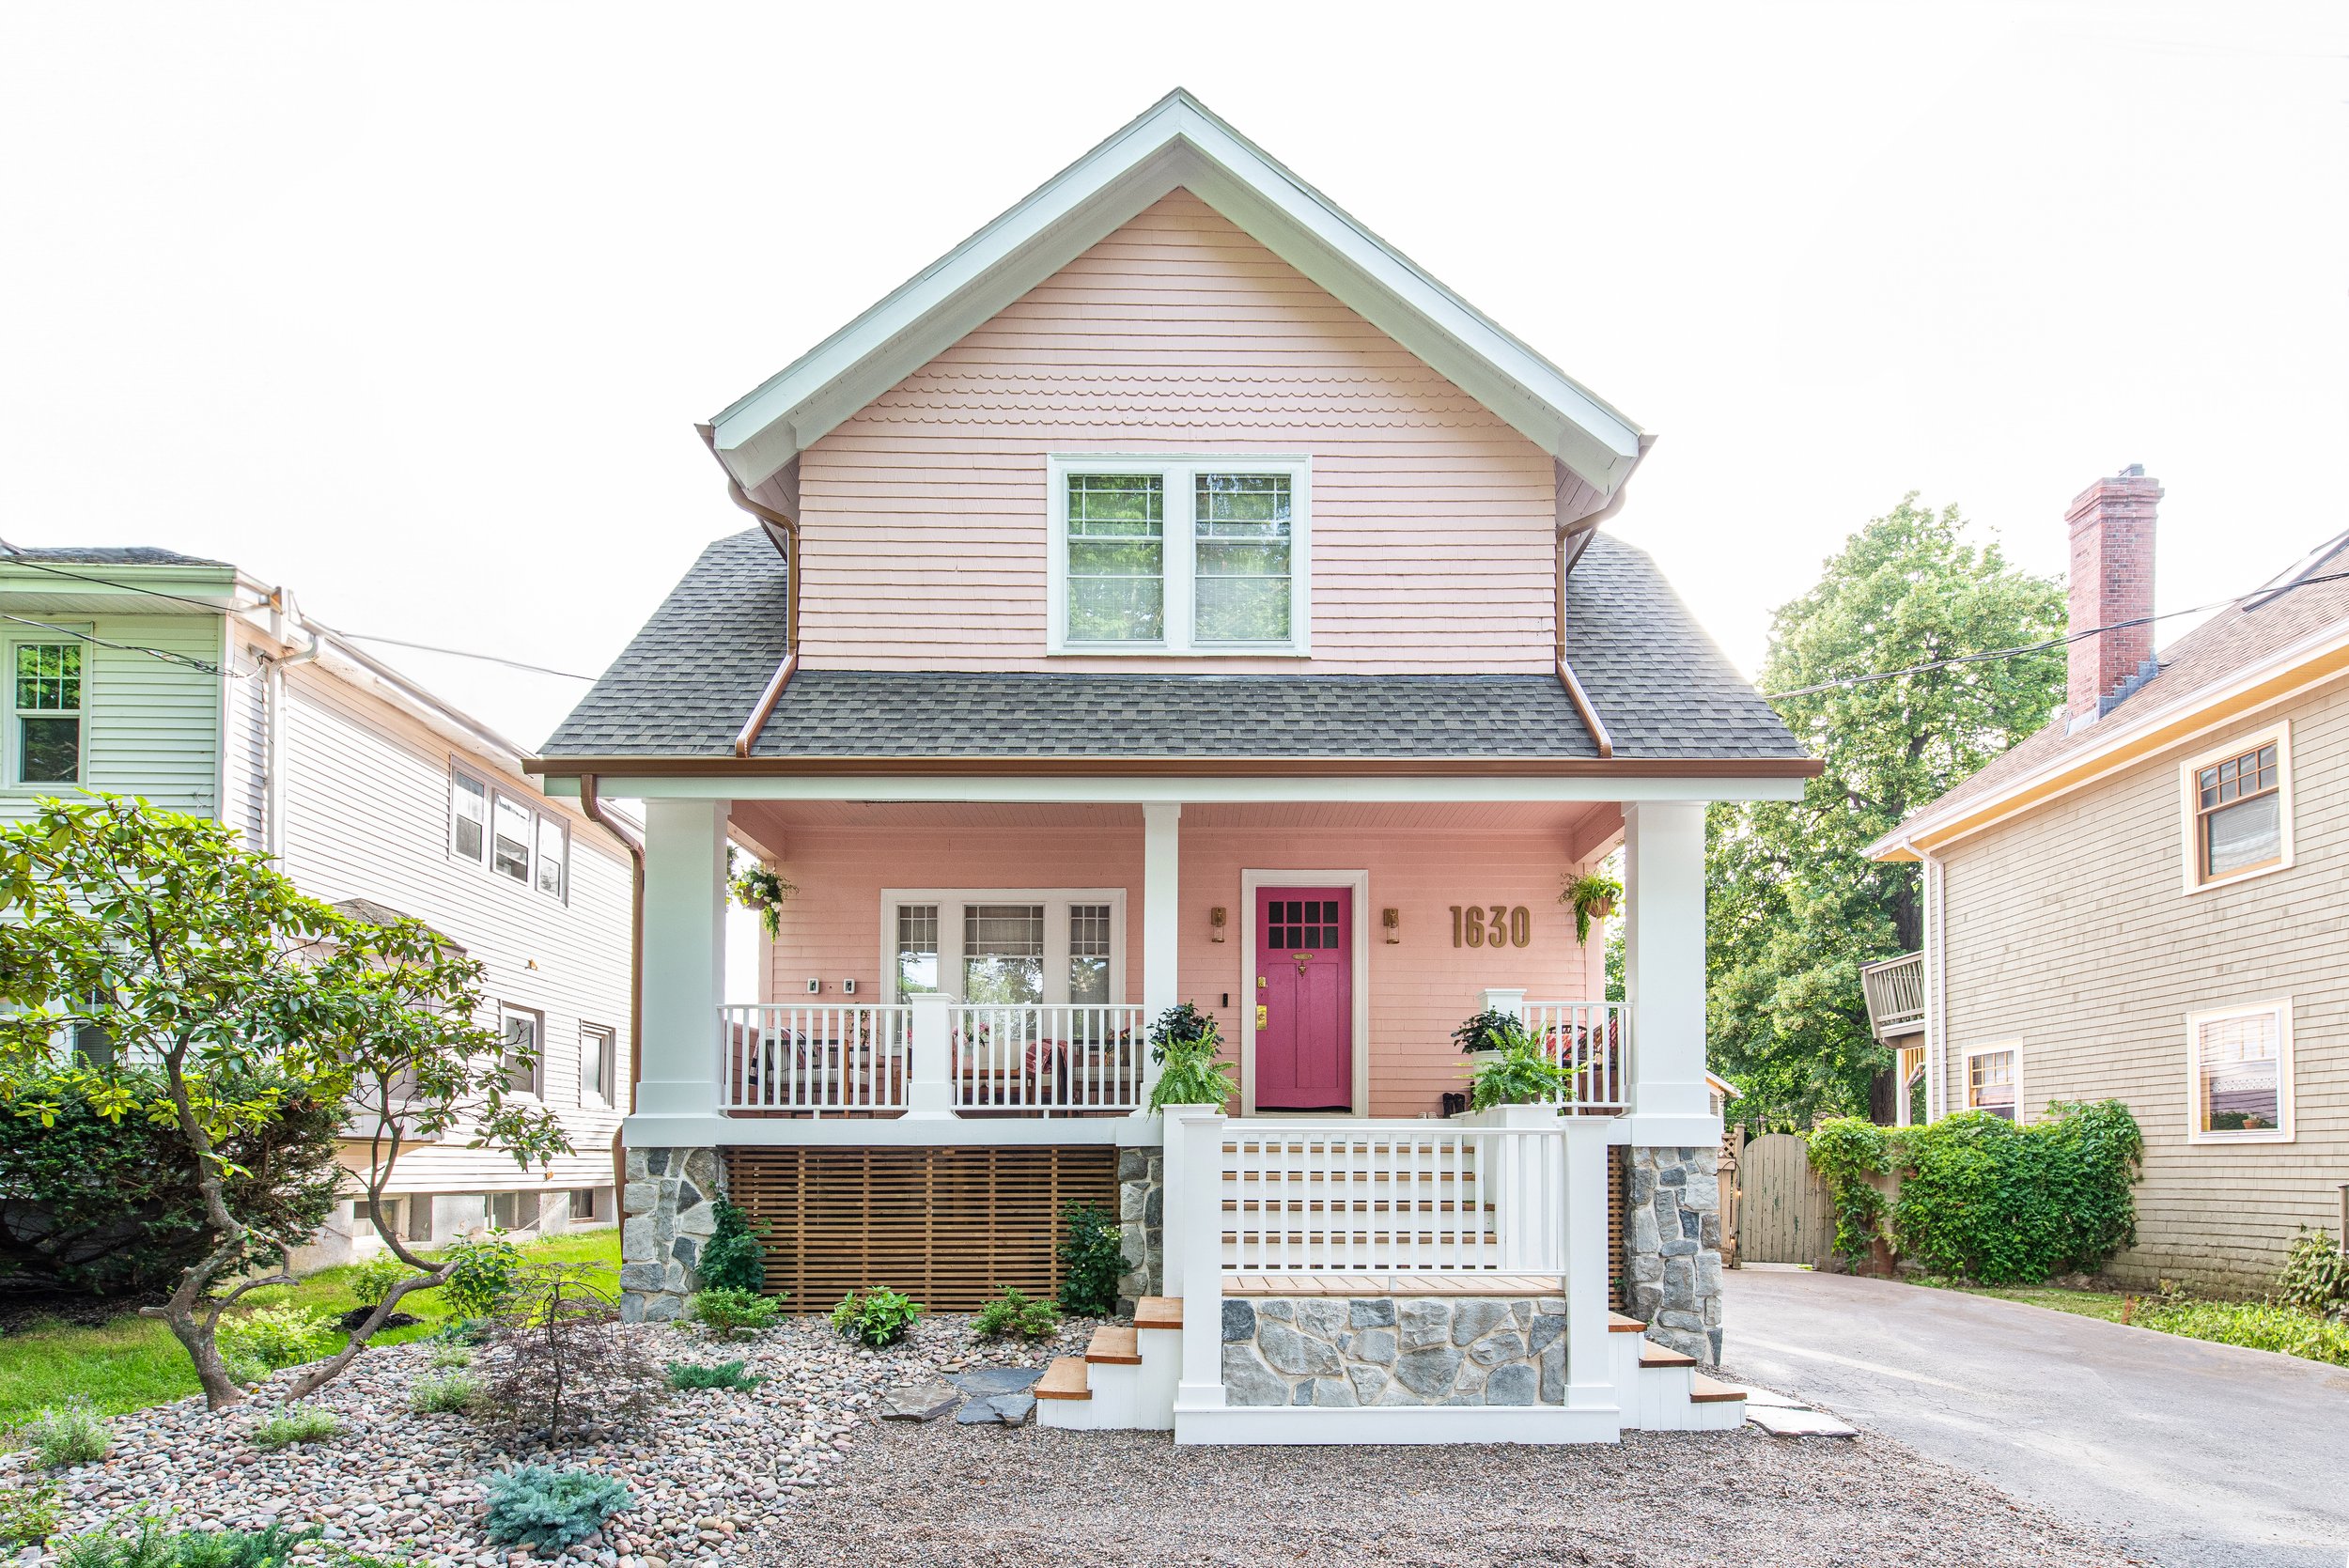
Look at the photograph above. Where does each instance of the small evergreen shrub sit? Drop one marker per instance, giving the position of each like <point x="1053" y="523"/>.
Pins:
<point x="1014" y="1314"/>
<point x="684" y="1377"/>
<point x="303" y="1423"/>
<point x="2315" y="1277"/>
<point x="28" y="1514"/>
<point x="277" y="1336"/>
<point x="876" y="1318"/>
<point x="1093" y="1261"/>
<point x="148" y="1545"/>
<point x="732" y="1258"/>
<point x="70" y="1433"/>
<point x="547" y="1509"/>
<point x="236" y="1548"/>
<point x="446" y="1394"/>
<point x="727" y="1312"/>
<point x="484" y="1279"/>
<point x="464" y="1331"/>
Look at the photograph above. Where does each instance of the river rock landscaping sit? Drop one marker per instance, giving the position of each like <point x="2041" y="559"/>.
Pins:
<point x="704" y="1469"/>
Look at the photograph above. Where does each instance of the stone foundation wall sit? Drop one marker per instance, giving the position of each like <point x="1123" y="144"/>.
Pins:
<point x="668" y="1215"/>
<point x="1346" y="1351"/>
<point x="1142" y="1217"/>
<point x="1672" y="1244"/>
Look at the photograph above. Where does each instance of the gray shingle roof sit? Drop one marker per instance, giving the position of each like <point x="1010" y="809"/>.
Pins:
<point x="108" y="555"/>
<point x="685" y="683"/>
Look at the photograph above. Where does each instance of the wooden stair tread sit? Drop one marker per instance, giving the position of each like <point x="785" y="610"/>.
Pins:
<point x="1618" y="1324"/>
<point x="1159" y="1311"/>
<point x="1651" y="1355"/>
<point x="1065" y="1379"/>
<point x="1114" y="1345"/>
<point x="1712" y="1390"/>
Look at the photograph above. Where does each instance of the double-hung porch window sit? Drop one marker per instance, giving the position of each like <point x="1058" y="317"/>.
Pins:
<point x="46" y="692"/>
<point x="1195" y="555"/>
<point x="1004" y="948"/>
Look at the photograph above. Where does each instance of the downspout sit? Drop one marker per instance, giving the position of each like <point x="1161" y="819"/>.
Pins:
<point x="776" y="524"/>
<point x="273" y="704"/>
<point x="1936" y="992"/>
<point x="592" y="803"/>
<point x="1579" y="532"/>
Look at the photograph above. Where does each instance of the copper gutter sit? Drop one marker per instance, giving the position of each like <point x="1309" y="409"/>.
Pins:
<point x="1181" y="768"/>
<point x="591" y="802"/>
<point x="748" y="737"/>
<point x="1589" y="710"/>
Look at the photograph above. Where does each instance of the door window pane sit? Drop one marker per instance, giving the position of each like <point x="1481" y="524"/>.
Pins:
<point x="469" y="818"/>
<point x="1242" y="536"/>
<point x="551" y="858"/>
<point x="511" y="851"/>
<point x="1088" y="953"/>
<point x="917" y="949"/>
<point x="1002" y="953"/>
<point x="2238" y="1084"/>
<point x="1116" y="557"/>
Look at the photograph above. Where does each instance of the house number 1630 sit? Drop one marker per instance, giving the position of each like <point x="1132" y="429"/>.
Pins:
<point x="1492" y="926"/>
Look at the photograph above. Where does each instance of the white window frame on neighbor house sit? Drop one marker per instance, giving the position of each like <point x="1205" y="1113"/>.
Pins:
<point x="603" y="1042"/>
<point x="538" y="1089"/>
<point x="2278" y="736"/>
<point x="538" y="824"/>
<point x="2010" y="1047"/>
<point x="2280" y="1008"/>
<point x="950" y="902"/>
<point x="13" y="743"/>
<point x="1178" y="472"/>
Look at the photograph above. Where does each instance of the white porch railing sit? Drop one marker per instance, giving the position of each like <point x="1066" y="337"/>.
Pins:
<point x="814" y="1060"/>
<point x="1895" y="992"/>
<point x="1365" y="1198"/>
<point x="1047" y="1059"/>
<point x="1591" y="1042"/>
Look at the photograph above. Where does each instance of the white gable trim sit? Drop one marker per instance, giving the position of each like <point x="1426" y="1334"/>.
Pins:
<point x="1176" y="143"/>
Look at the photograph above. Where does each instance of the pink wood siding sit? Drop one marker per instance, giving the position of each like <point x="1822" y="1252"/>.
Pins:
<point x="841" y="856"/>
<point x="924" y="516"/>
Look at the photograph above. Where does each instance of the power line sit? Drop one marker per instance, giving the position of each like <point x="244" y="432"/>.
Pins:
<point x="166" y="654"/>
<point x="2064" y="641"/>
<point x="457" y="653"/>
<point x="18" y="557"/>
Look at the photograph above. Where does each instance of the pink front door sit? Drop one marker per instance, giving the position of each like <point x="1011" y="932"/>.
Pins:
<point x="1304" y="998"/>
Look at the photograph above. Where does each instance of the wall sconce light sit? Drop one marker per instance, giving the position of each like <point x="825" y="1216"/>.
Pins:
<point x="1215" y="924"/>
<point x="1392" y="920"/>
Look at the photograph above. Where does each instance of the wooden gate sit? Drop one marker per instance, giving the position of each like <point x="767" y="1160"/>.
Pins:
<point x="1785" y="1214"/>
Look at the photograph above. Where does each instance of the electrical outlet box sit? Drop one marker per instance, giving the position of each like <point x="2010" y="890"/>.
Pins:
<point x="848" y="987"/>
<point x="814" y="987"/>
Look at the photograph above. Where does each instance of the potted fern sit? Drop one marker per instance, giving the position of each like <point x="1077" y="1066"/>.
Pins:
<point x="1594" y="895"/>
<point x="1185" y="1043"/>
<point x="1517" y="1072"/>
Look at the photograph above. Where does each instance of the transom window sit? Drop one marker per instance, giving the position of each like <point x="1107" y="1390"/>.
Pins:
<point x="47" y="699"/>
<point x="1005" y="947"/>
<point x="509" y="838"/>
<point x="2239" y="810"/>
<point x="1190" y="555"/>
<point x="2239" y="1074"/>
<point x="1994" y="1082"/>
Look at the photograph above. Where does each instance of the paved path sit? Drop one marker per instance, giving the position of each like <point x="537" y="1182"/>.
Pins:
<point x="2189" y="1454"/>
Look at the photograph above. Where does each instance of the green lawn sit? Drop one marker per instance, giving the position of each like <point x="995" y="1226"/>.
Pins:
<point x="2105" y="1304"/>
<point x="134" y="1362"/>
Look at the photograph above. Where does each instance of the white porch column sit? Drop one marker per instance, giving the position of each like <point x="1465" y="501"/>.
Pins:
<point x="929" y="1049"/>
<point x="1194" y="1232"/>
<point x="685" y="956"/>
<point x="1590" y="1354"/>
<point x="1162" y="934"/>
<point x="1663" y="960"/>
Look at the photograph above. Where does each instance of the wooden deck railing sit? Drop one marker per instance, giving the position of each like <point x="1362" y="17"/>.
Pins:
<point x="1895" y="991"/>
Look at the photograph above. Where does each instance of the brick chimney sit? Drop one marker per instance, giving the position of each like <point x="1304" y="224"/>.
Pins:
<point x="2113" y="580"/>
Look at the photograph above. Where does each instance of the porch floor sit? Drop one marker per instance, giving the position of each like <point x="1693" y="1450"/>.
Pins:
<point x="1411" y="1282"/>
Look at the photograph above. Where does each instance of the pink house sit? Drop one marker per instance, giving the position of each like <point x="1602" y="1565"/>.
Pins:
<point x="1174" y="596"/>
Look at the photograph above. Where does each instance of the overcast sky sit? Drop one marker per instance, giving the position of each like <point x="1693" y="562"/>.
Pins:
<point x="417" y="316"/>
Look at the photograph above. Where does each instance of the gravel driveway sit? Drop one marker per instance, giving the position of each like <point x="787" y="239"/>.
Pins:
<point x="946" y="1496"/>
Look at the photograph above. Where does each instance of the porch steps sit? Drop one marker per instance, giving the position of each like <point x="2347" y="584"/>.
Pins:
<point x="1159" y="1311"/>
<point x="1065" y="1378"/>
<point x="1114" y="1346"/>
<point x="1712" y="1390"/>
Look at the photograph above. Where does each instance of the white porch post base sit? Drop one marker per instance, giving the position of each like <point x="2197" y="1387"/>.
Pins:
<point x="929" y="1092"/>
<point x="1194" y="1219"/>
<point x="1590" y="1358"/>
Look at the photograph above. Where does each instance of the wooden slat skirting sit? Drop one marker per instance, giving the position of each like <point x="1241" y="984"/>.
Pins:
<point x="949" y="1226"/>
<point x="1617" y="1191"/>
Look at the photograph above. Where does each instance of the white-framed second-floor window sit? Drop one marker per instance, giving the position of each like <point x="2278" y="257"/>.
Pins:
<point x="46" y="734"/>
<point x="1181" y="555"/>
<point x="2238" y="809"/>
<point x="504" y="834"/>
<point x="1994" y="1080"/>
<point x="1005" y="946"/>
<point x="2239" y="1074"/>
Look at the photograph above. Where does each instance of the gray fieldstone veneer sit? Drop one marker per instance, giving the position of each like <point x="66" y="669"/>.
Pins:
<point x="1141" y="1221"/>
<point x="667" y="1215"/>
<point x="1672" y="1244"/>
<point x="1346" y="1351"/>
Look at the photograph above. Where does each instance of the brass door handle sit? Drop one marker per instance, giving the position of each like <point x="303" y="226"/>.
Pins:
<point x="1262" y="1011"/>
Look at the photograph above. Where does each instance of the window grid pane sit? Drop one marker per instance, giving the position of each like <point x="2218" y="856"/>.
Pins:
<point x="1088" y="953"/>
<point x="2238" y="1075"/>
<point x="512" y="845"/>
<point x="1991" y="1084"/>
<point x="917" y="949"/>
<point x="521" y="1033"/>
<point x="1241" y="553"/>
<point x="49" y="678"/>
<point x="1116" y="557"/>
<point x="469" y="817"/>
<point x="1002" y="953"/>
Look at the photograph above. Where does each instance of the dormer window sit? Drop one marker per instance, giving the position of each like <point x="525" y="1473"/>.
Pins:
<point x="1192" y="555"/>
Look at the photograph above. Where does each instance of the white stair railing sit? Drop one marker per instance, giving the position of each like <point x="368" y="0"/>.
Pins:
<point x="814" y="1060"/>
<point x="1591" y="1042"/>
<point x="1047" y="1059"/>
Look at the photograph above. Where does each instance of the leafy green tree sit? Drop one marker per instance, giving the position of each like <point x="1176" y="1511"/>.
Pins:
<point x="164" y="973"/>
<point x="1793" y="908"/>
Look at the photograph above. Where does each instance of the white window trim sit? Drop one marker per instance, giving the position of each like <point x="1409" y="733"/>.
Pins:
<point x="1249" y="882"/>
<point x="2189" y="799"/>
<point x="608" y="1042"/>
<point x="1178" y="471"/>
<point x="12" y="743"/>
<point x="2283" y="1131"/>
<point x="1966" y="1070"/>
<point x="1056" y="902"/>
<point x="538" y="1089"/>
<point x="486" y="861"/>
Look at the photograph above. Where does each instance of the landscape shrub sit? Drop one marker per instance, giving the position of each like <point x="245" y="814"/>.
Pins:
<point x="1846" y="1151"/>
<point x="685" y="1376"/>
<point x="443" y="1393"/>
<point x="727" y="1312"/>
<point x="277" y="1336"/>
<point x="140" y="1540"/>
<point x="70" y="1433"/>
<point x="147" y="1545"/>
<point x="547" y="1509"/>
<point x="2316" y="1276"/>
<point x="101" y="1207"/>
<point x="236" y="1548"/>
<point x="1014" y="1314"/>
<point x="732" y="1258"/>
<point x="462" y="1331"/>
<point x="483" y="1281"/>
<point x="2002" y="1204"/>
<point x="1093" y="1260"/>
<point x="560" y="1365"/>
<point x="2253" y="1325"/>
<point x="447" y="1357"/>
<point x="28" y="1515"/>
<point x="876" y="1318"/>
<point x="374" y="1278"/>
<point x="301" y="1424"/>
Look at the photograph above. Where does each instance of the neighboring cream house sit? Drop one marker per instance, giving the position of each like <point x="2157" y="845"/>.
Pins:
<point x="187" y="683"/>
<point x="2149" y="900"/>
